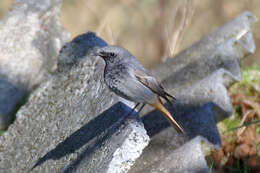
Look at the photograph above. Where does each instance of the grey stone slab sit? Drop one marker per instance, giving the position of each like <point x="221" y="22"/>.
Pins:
<point x="198" y="77"/>
<point x="31" y="36"/>
<point x="214" y="58"/>
<point x="196" y="121"/>
<point x="177" y="162"/>
<point x="199" y="62"/>
<point x="73" y="123"/>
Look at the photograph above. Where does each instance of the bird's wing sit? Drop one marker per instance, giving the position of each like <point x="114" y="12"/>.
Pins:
<point x="151" y="83"/>
<point x="130" y="88"/>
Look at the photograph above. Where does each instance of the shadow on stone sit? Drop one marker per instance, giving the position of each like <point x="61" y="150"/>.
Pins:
<point x="88" y="152"/>
<point x="196" y="120"/>
<point x="92" y="134"/>
<point x="11" y="99"/>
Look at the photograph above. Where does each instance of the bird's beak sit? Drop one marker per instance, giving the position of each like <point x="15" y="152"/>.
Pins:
<point x="99" y="52"/>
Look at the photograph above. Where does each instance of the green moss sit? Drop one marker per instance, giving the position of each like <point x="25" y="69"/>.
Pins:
<point x="1" y="132"/>
<point x="257" y="130"/>
<point x="233" y="122"/>
<point x="249" y="85"/>
<point x="250" y="76"/>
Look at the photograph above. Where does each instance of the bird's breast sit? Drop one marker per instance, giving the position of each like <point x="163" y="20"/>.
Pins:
<point x="114" y="75"/>
<point x="115" y="78"/>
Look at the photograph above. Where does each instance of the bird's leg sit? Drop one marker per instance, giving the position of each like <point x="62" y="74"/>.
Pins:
<point x="133" y="109"/>
<point x="127" y="116"/>
<point x="141" y="108"/>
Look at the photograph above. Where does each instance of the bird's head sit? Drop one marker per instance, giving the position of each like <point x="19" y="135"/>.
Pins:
<point x="112" y="53"/>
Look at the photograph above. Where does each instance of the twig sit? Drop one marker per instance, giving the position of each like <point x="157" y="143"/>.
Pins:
<point x="173" y="45"/>
<point x="246" y="124"/>
<point x="240" y="131"/>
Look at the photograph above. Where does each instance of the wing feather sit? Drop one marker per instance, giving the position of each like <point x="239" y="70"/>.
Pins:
<point x="150" y="82"/>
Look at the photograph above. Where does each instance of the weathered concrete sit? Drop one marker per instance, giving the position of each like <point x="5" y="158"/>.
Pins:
<point x="177" y="162"/>
<point x="31" y="36"/>
<point x="66" y="124"/>
<point x="198" y="78"/>
<point x="220" y="50"/>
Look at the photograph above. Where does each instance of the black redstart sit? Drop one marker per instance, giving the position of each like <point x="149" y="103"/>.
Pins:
<point x="125" y="76"/>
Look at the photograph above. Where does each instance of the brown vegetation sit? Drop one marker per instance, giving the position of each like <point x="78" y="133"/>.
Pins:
<point x="240" y="150"/>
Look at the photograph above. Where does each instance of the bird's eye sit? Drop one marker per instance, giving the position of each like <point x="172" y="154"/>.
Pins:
<point x="112" y="54"/>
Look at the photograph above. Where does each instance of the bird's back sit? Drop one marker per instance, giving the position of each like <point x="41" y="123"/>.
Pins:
<point x="121" y="80"/>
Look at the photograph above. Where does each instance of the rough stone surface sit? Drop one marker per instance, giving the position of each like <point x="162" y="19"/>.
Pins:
<point x="31" y="36"/>
<point x="68" y="124"/>
<point x="198" y="77"/>
<point x="177" y="162"/>
<point x="199" y="62"/>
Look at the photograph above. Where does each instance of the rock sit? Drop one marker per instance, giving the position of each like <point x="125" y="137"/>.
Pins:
<point x="73" y="123"/>
<point x="178" y="162"/>
<point x="198" y="77"/>
<point x="216" y="53"/>
<point x="31" y="36"/>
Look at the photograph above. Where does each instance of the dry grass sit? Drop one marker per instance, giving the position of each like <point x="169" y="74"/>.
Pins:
<point x="4" y="7"/>
<point x="153" y="30"/>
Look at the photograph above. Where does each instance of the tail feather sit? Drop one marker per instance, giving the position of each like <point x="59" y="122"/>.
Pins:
<point x="168" y="116"/>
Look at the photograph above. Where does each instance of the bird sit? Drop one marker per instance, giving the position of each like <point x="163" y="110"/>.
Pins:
<point x="127" y="78"/>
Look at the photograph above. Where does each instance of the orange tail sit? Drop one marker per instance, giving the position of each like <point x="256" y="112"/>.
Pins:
<point x="168" y="116"/>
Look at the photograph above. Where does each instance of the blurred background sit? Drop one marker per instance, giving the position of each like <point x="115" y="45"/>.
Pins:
<point x="154" y="30"/>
